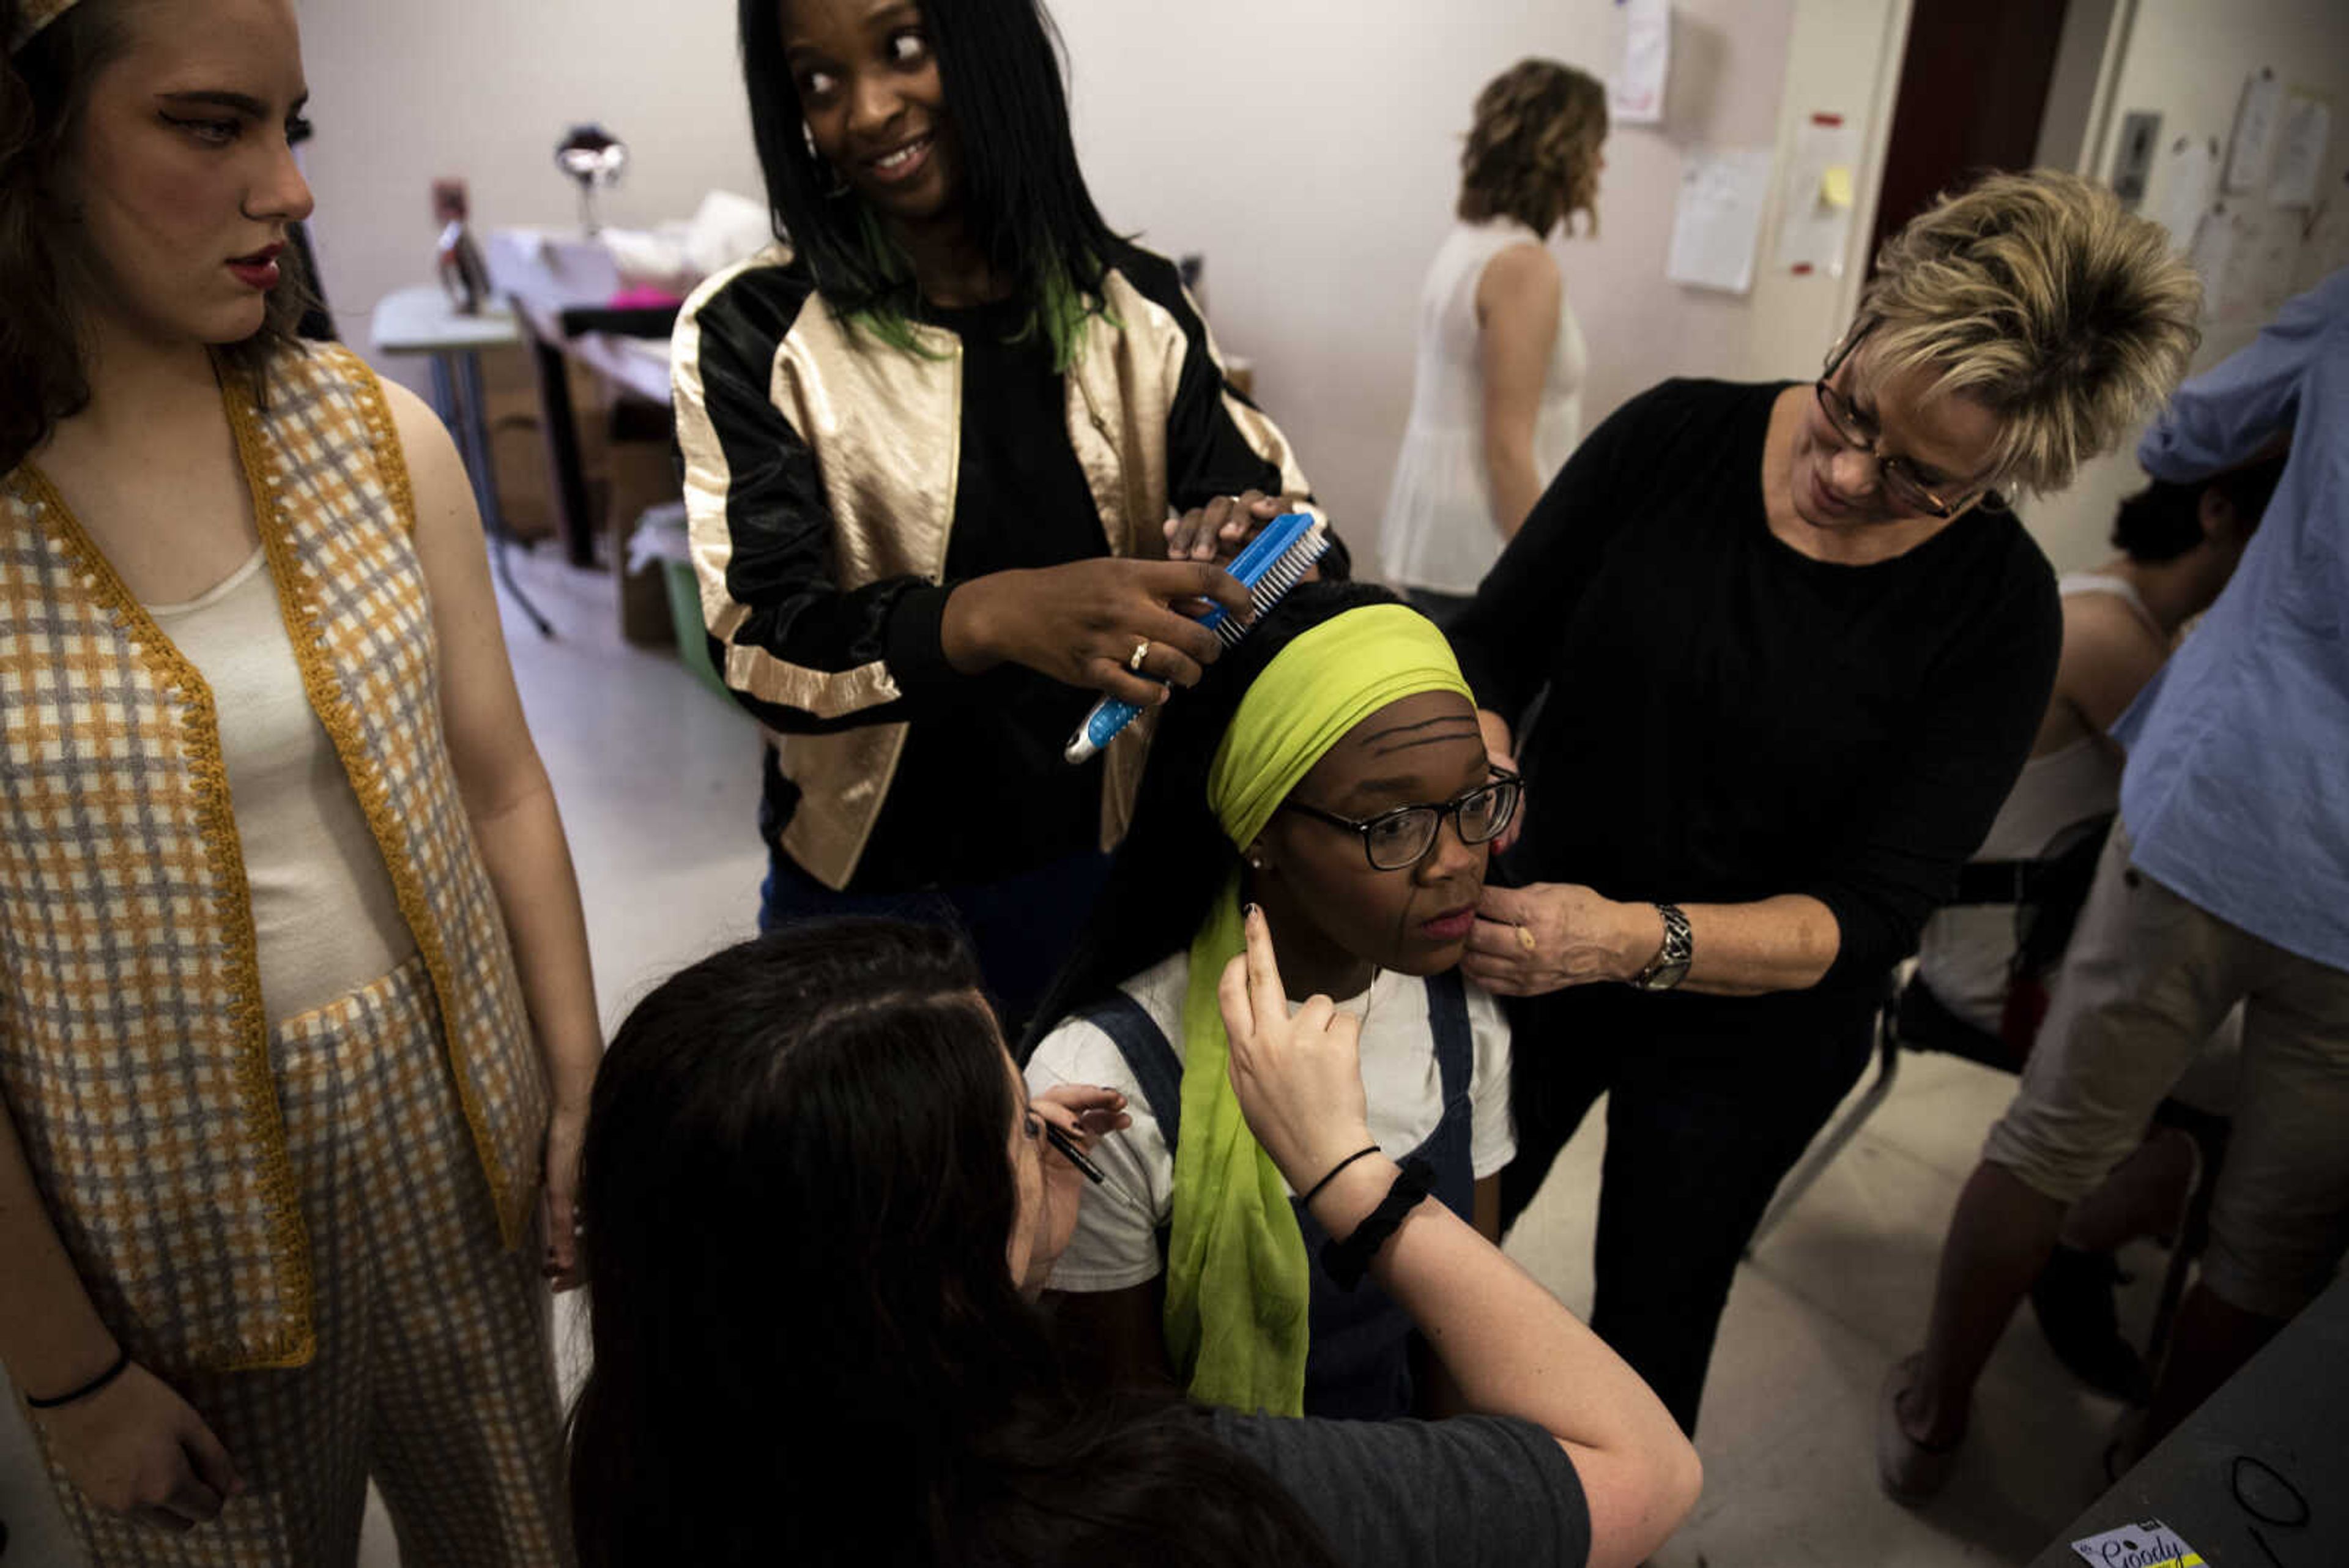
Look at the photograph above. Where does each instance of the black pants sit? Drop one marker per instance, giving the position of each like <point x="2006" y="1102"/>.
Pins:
<point x="1709" y="1102"/>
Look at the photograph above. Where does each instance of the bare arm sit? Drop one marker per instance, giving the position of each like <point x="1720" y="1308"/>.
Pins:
<point x="1529" y="941"/>
<point x="1434" y="1394"/>
<point x="135" y="1446"/>
<point x="1782" y="943"/>
<point x="508" y="798"/>
<point x="2109" y="657"/>
<point x="1513" y="1350"/>
<point x="1508" y="1344"/>
<point x="51" y="1338"/>
<point x="1519" y="299"/>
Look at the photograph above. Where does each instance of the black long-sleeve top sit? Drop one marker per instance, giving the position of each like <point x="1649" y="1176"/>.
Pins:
<point x="1728" y="720"/>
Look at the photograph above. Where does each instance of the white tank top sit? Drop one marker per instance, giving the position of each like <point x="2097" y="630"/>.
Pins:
<point x="325" y="917"/>
<point x="1438" y="533"/>
<point x="1966" y="949"/>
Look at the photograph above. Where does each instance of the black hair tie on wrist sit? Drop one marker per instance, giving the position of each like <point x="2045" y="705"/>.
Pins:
<point x="1325" y="1181"/>
<point x="121" y="1365"/>
<point x="1348" y="1261"/>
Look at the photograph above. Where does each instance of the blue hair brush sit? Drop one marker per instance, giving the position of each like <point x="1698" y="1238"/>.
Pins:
<point x="1274" y="562"/>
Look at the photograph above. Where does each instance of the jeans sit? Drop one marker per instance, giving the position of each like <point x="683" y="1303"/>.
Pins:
<point x="1022" y="929"/>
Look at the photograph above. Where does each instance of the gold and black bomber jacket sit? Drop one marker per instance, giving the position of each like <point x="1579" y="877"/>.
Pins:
<point x="820" y="468"/>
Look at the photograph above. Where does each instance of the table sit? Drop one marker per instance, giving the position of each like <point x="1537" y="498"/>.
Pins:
<point x="560" y="286"/>
<point x="422" y="320"/>
<point x="635" y="363"/>
<point x="2225" y="1480"/>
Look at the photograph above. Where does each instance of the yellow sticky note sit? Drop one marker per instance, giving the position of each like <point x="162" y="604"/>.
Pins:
<point x="1835" y="186"/>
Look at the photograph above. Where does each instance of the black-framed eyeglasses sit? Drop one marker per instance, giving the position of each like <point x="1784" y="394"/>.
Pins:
<point x="1907" y="489"/>
<point x="1398" y="839"/>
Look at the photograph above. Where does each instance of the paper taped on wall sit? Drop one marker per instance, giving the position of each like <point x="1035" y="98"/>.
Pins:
<point x="1815" y="214"/>
<point x="1719" y="218"/>
<point x="1635" y="94"/>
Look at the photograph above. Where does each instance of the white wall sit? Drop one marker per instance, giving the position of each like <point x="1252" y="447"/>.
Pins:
<point x="1311" y="150"/>
<point x="1842" y="56"/>
<point x="1309" y="147"/>
<point x="407" y="90"/>
<point x="2187" y="59"/>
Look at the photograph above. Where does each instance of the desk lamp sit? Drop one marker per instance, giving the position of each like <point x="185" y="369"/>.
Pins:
<point x="593" y="156"/>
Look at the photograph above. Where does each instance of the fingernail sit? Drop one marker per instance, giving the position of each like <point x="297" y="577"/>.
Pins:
<point x="1249" y="912"/>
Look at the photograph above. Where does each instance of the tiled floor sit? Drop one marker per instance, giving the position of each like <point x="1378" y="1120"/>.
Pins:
<point x="658" y="784"/>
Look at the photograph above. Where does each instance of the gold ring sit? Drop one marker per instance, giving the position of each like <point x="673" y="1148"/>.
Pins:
<point x="1526" y="940"/>
<point x="1140" y="652"/>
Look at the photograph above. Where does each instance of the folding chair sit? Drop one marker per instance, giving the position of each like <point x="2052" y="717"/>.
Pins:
<point x="2046" y="894"/>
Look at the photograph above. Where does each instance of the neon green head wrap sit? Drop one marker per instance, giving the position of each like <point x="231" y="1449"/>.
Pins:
<point x="1238" y="1285"/>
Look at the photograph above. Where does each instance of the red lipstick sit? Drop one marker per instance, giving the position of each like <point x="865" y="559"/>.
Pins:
<point x="259" y="270"/>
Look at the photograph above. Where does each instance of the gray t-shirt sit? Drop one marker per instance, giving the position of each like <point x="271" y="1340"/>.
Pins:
<point x="1446" y="1494"/>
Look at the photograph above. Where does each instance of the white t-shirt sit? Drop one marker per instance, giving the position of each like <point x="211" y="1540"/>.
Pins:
<point x="1116" y="1242"/>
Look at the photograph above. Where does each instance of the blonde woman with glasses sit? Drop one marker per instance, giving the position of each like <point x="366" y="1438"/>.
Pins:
<point x="1801" y="649"/>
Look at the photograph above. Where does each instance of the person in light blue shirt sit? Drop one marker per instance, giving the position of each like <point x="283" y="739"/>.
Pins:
<point x="2226" y="881"/>
<point x="2237" y="793"/>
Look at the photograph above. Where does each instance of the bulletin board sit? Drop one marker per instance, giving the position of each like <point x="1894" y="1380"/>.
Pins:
<point x="2261" y="204"/>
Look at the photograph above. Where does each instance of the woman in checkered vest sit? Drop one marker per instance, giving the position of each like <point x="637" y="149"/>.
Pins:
<point x="296" y="1029"/>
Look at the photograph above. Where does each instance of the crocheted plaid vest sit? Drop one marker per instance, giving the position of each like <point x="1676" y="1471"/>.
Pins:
<point x="134" y="1050"/>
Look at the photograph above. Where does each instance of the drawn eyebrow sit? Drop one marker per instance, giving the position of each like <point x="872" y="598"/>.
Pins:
<point x="1424" y="723"/>
<point x="1455" y="728"/>
<point x="1449" y="739"/>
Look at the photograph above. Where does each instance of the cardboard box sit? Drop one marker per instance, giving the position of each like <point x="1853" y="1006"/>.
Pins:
<point x="641" y="475"/>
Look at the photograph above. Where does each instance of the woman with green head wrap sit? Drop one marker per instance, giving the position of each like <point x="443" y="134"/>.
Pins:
<point x="1328" y="770"/>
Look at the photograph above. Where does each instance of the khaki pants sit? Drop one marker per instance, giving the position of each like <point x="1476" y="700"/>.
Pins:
<point x="2148" y="976"/>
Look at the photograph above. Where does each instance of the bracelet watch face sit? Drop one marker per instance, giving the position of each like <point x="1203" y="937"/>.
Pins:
<point x="1664" y="976"/>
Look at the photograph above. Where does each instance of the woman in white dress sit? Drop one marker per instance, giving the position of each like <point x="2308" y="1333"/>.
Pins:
<point x="1497" y="402"/>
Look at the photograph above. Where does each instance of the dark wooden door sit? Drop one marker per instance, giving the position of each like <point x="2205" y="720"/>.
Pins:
<point x="1973" y="89"/>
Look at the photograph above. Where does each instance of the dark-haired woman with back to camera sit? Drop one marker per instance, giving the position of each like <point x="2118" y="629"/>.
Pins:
<point x="822" y="1203"/>
<point x="298" y="1025"/>
<point x="925" y="444"/>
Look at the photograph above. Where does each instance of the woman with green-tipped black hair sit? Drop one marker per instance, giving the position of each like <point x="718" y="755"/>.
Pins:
<point x="958" y="460"/>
